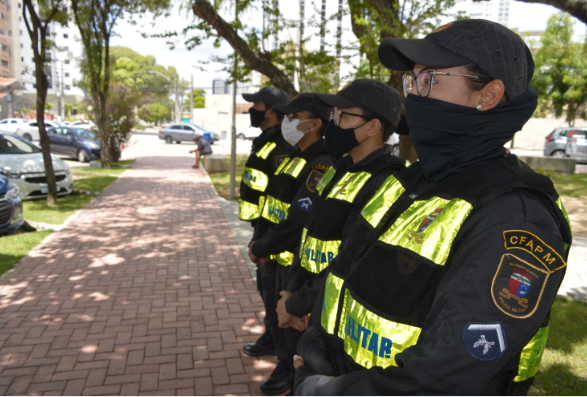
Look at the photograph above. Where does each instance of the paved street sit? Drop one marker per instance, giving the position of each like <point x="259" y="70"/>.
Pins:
<point x="144" y="292"/>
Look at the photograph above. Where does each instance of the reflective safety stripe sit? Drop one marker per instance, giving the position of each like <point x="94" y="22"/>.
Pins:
<point x="349" y="186"/>
<point x="560" y="205"/>
<point x="293" y="167"/>
<point x="261" y="203"/>
<point x="282" y="165"/>
<point x="330" y="304"/>
<point x="372" y="340"/>
<point x="266" y="150"/>
<point x="284" y="259"/>
<point x="389" y="192"/>
<point x="325" y="180"/>
<point x="255" y="179"/>
<point x="429" y="228"/>
<point x="274" y="210"/>
<point x="316" y="254"/>
<point x="247" y="211"/>
<point x="532" y="355"/>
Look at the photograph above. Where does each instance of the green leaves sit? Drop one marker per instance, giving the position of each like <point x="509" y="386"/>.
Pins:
<point x="560" y="77"/>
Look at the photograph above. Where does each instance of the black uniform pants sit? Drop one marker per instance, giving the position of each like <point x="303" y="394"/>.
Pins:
<point x="266" y="283"/>
<point x="291" y="336"/>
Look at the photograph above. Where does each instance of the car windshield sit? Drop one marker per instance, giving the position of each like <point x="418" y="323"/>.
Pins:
<point x="85" y="134"/>
<point x="12" y="145"/>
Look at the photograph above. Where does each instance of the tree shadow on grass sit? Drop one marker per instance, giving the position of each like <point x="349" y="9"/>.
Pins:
<point x="558" y="380"/>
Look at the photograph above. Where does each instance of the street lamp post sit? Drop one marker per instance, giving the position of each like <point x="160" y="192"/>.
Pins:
<point x="176" y="118"/>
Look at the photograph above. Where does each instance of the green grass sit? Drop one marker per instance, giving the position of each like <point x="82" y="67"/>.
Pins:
<point x="94" y="183"/>
<point x="577" y="186"/>
<point x="564" y="365"/>
<point x="221" y="180"/>
<point x="117" y="168"/>
<point x="17" y="246"/>
<point x="38" y="210"/>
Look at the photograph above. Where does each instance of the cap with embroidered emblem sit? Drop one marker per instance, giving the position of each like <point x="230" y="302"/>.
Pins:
<point x="493" y="47"/>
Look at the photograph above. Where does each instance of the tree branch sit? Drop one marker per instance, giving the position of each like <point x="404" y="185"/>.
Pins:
<point x="577" y="8"/>
<point x="256" y="61"/>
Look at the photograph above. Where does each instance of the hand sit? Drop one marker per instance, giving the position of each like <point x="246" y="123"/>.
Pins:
<point x="263" y="261"/>
<point x="283" y="317"/>
<point x="297" y="323"/>
<point x="306" y="319"/>
<point x="298" y="361"/>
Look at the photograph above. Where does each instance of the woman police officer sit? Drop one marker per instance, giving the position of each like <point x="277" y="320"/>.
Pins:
<point x="454" y="264"/>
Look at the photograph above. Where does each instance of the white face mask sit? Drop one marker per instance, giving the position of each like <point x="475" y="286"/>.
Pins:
<point x="289" y="129"/>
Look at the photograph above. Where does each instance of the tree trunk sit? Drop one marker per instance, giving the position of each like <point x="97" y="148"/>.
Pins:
<point x="256" y="61"/>
<point x="42" y="86"/>
<point x="406" y="149"/>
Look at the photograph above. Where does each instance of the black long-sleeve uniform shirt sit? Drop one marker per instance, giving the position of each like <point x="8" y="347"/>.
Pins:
<point x="440" y="362"/>
<point x="305" y="288"/>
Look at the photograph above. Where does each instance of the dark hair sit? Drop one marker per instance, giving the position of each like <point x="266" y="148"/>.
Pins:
<point x="386" y="127"/>
<point x="483" y="78"/>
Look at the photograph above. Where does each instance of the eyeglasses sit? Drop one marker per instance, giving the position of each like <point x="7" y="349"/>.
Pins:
<point x="337" y="116"/>
<point x="424" y="81"/>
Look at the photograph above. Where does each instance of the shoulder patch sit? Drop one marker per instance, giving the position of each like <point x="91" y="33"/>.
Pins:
<point x="313" y="179"/>
<point x="532" y="244"/>
<point x="279" y="159"/>
<point x="485" y="341"/>
<point x="320" y="166"/>
<point x="518" y="286"/>
<point x="305" y="204"/>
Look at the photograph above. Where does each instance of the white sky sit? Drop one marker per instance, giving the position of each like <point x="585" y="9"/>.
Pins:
<point x="523" y="16"/>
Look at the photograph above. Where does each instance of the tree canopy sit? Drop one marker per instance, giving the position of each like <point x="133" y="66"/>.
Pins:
<point x="561" y="70"/>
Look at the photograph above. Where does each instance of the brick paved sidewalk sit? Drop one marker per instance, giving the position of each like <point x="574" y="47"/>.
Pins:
<point x="145" y="292"/>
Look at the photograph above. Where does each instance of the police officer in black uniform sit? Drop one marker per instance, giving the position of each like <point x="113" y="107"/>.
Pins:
<point x="268" y="151"/>
<point x="454" y="264"/>
<point x="287" y="202"/>
<point x="366" y="113"/>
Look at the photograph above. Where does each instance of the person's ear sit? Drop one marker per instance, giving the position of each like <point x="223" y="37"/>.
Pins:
<point x="374" y="127"/>
<point x="316" y="125"/>
<point x="269" y="113"/>
<point x="492" y="94"/>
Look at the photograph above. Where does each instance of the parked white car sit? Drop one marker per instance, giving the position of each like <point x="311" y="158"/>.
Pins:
<point x="22" y="163"/>
<point x="11" y="125"/>
<point x="86" y="125"/>
<point x="248" y="133"/>
<point x="30" y="131"/>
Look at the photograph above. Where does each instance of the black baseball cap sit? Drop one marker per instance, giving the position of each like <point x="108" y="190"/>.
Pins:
<point x="272" y="96"/>
<point x="371" y="94"/>
<point x="491" y="46"/>
<point x="305" y="102"/>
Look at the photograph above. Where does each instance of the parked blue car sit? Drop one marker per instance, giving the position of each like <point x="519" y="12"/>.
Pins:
<point x="75" y="142"/>
<point x="10" y="206"/>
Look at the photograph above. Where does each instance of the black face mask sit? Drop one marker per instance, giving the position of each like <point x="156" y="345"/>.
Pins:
<point x="448" y="138"/>
<point x="257" y="117"/>
<point x="340" y="140"/>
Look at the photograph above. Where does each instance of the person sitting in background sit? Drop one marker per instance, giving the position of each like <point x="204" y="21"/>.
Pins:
<point x="202" y="149"/>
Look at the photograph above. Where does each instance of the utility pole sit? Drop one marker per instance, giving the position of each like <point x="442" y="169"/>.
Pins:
<point x="233" y="129"/>
<point x="192" y="100"/>
<point x="177" y="115"/>
<point x="62" y="99"/>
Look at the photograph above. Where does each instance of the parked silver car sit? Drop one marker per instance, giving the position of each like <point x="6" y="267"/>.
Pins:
<point x="179" y="133"/>
<point x="556" y="142"/>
